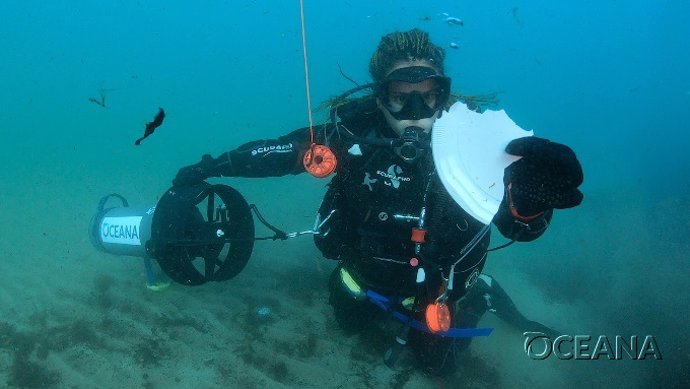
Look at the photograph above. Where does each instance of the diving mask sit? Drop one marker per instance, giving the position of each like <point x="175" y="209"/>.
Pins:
<point x="414" y="105"/>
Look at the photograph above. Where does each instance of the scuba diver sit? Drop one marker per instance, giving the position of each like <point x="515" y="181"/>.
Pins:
<point x="401" y="241"/>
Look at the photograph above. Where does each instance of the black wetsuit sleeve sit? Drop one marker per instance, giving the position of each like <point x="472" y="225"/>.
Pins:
<point x="268" y="157"/>
<point x="518" y="230"/>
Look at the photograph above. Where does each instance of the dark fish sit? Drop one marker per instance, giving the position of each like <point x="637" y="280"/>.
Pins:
<point x="151" y="126"/>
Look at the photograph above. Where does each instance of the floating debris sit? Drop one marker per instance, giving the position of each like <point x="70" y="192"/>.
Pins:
<point x="101" y="98"/>
<point x="151" y="126"/>
<point x="454" y="45"/>
<point x="454" y="21"/>
<point x="100" y="101"/>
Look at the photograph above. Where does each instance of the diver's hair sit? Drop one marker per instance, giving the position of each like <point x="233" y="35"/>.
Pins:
<point x="404" y="46"/>
<point x="394" y="48"/>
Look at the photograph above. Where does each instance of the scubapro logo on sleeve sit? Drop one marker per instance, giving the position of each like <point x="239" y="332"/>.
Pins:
<point x="272" y="149"/>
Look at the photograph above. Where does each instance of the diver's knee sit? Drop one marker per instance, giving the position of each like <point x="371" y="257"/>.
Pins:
<point x="436" y="355"/>
<point x="351" y="313"/>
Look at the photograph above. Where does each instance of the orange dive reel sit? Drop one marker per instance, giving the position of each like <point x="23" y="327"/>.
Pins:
<point x="319" y="161"/>
<point x="438" y="317"/>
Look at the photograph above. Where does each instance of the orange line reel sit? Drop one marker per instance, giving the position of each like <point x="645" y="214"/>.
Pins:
<point x="319" y="161"/>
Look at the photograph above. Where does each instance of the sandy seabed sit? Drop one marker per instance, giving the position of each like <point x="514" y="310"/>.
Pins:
<point x="74" y="317"/>
<point x="99" y="327"/>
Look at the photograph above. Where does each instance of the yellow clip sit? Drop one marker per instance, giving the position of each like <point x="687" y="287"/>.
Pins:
<point x="355" y="290"/>
<point x="408" y="303"/>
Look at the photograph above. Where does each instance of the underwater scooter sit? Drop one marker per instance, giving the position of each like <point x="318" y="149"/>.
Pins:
<point x="209" y="224"/>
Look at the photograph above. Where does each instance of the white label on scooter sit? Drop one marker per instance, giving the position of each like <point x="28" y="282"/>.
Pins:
<point x="121" y="230"/>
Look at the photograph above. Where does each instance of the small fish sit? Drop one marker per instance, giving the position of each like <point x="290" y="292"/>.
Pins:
<point x="453" y="45"/>
<point x="151" y="126"/>
<point x="454" y="21"/>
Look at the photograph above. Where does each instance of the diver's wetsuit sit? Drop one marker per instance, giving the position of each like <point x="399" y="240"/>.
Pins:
<point x="375" y="194"/>
<point x="488" y="295"/>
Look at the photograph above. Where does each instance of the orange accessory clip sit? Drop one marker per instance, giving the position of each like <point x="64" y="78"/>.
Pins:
<point x="418" y="235"/>
<point x="438" y="317"/>
<point x="319" y="161"/>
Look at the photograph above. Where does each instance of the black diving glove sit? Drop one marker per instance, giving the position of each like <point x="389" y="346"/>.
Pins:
<point x="194" y="174"/>
<point x="546" y="177"/>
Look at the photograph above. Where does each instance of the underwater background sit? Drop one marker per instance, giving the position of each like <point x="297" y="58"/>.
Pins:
<point x="611" y="79"/>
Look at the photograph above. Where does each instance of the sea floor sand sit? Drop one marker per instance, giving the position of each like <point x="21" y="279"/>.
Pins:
<point x="99" y="327"/>
<point x="74" y="317"/>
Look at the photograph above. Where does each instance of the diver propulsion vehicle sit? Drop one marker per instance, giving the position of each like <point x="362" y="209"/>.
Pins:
<point x="197" y="234"/>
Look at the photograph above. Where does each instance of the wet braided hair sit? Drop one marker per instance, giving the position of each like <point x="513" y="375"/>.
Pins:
<point x="413" y="45"/>
<point x="394" y="48"/>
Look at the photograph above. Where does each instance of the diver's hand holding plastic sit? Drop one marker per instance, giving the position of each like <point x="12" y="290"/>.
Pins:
<point x="194" y="174"/>
<point x="546" y="177"/>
